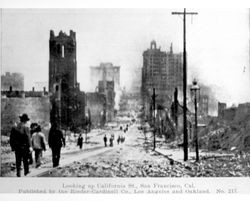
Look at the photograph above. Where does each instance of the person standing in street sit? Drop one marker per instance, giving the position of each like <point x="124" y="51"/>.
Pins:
<point x="20" y="143"/>
<point x="38" y="144"/>
<point x="111" y="141"/>
<point x="79" y="141"/>
<point x="118" y="140"/>
<point x="56" y="141"/>
<point x="105" y="139"/>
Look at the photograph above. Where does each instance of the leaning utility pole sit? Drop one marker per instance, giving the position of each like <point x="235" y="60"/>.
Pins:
<point x="185" y="133"/>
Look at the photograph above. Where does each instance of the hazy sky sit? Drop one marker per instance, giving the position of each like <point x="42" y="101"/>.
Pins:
<point x="217" y="43"/>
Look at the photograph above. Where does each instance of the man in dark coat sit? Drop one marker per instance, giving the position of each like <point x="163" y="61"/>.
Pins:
<point x="56" y="141"/>
<point x="20" y="143"/>
<point x="105" y="139"/>
<point x="79" y="141"/>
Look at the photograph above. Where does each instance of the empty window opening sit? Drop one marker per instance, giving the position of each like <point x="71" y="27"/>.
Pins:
<point x="62" y="51"/>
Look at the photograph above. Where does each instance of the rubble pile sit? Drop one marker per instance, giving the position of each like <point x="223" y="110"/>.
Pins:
<point x="226" y="136"/>
<point x="235" y="166"/>
<point x="121" y="169"/>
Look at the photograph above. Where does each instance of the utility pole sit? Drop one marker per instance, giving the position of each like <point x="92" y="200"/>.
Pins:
<point x="196" y="128"/>
<point x="153" y="97"/>
<point x="185" y="132"/>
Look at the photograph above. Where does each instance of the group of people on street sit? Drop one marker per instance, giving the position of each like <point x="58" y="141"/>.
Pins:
<point x="125" y="129"/>
<point x="24" y="140"/>
<point x="120" y="139"/>
<point x="111" y="140"/>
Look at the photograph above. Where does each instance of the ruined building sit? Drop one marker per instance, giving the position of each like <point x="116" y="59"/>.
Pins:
<point x="105" y="72"/>
<point x="154" y="75"/>
<point x="174" y="66"/>
<point x="221" y="108"/>
<point x="203" y="105"/>
<point x="68" y="102"/>
<point x="96" y="104"/>
<point x="163" y="71"/>
<point x="154" y="72"/>
<point x="107" y="88"/>
<point x="12" y="81"/>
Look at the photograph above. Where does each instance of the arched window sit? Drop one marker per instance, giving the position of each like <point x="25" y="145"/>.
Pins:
<point x="153" y="45"/>
<point x="57" y="88"/>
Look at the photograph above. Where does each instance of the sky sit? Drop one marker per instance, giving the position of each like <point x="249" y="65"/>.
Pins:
<point x="217" y="43"/>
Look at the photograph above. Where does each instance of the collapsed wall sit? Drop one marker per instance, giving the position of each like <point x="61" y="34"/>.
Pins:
<point x="37" y="108"/>
<point x="226" y="135"/>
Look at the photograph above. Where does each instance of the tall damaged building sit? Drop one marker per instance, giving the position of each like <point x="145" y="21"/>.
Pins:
<point x="163" y="71"/>
<point x="68" y="102"/>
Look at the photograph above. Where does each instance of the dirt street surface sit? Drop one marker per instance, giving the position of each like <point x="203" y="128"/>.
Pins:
<point x="132" y="158"/>
<point x="135" y="158"/>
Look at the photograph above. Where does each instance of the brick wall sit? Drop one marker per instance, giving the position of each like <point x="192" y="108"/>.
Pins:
<point x="96" y="105"/>
<point x="38" y="110"/>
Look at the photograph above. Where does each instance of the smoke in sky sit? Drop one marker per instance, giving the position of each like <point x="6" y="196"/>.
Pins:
<point x="217" y="43"/>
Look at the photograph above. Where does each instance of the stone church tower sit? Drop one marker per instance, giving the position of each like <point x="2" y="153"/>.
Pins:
<point x="68" y="103"/>
<point x="62" y="61"/>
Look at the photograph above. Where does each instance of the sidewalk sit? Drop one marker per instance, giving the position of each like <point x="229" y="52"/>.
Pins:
<point x="80" y="155"/>
<point x="178" y="154"/>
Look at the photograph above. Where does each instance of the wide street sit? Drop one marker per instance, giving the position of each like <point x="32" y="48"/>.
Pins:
<point x="132" y="158"/>
<point x="136" y="158"/>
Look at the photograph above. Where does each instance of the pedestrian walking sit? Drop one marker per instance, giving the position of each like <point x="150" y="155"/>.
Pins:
<point x="38" y="144"/>
<point x="111" y="141"/>
<point x="113" y="136"/>
<point x="32" y="130"/>
<point x="105" y="139"/>
<point x="122" y="138"/>
<point x="20" y="143"/>
<point x="118" y="140"/>
<point x="56" y="141"/>
<point x="79" y="141"/>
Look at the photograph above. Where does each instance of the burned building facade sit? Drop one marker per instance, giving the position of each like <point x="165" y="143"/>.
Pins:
<point x="96" y="104"/>
<point x="107" y="88"/>
<point x="221" y="108"/>
<point x="12" y="81"/>
<point x="163" y="71"/>
<point x="68" y="102"/>
<point x="105" y="72"/>
<point x="203" y="105"/>
<point x="154" y="75"/>
<point x="174" y="68"/>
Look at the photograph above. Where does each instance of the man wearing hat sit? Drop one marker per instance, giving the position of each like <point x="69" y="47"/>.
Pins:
<point x="56" y="141"/>
<point x="20" y="143"/>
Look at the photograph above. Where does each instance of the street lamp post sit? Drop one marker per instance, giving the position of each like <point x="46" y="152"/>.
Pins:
<point x="194" y="89"/>
<point x="153" y="97"/>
